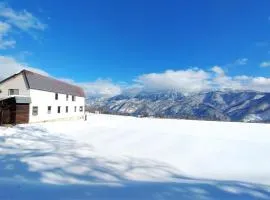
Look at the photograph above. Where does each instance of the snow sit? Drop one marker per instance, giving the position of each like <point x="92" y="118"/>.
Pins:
<point x="259" y="96"/>
<point x="118" y="157"/>
<point x="252" y="118"/>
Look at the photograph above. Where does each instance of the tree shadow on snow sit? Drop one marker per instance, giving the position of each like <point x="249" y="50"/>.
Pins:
<point x="37" y="165"/>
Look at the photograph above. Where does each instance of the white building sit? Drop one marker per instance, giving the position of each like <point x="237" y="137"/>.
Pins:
<point x="31" y="97"/>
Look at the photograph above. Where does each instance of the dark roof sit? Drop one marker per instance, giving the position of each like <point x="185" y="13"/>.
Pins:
<point x="39" y="82"/>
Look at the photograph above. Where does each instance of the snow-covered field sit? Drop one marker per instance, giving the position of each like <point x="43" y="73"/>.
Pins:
<point x="116" y="157"/>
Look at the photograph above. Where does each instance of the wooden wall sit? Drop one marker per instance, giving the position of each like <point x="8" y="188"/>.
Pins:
<point x="22" y="113"/>
<point x="8" y="111"/>
<point x="12" y="113"/>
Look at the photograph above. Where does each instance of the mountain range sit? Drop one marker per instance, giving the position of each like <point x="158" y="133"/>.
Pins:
<point x="227" y="105"/>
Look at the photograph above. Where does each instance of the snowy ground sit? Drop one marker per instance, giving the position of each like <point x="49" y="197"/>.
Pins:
<point x="115" y="157"/>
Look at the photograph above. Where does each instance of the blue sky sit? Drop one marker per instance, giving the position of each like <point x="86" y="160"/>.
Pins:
<point x="116" y="41"/>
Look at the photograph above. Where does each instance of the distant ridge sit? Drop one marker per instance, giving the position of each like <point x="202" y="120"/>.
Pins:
<point x="225" y="105"/>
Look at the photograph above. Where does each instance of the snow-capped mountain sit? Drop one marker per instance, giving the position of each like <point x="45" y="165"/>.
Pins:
<point x="227" y="105"/>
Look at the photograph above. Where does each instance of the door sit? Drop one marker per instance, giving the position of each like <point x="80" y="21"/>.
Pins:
<point x="7" y="113"/>
<point x="1" y="113"/>
<point x="6" y="116"/>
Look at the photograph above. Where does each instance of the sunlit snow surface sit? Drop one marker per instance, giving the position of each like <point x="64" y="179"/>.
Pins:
<point x="116" y="157"/>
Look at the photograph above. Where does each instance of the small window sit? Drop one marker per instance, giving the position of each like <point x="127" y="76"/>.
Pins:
<point x="66" y="109"/>
<point x="49" y="109"/>
<point x="56" y="96"/>
<point x="73" y="98"/>
<point x="67" y="97"/>
<point x="81" y="108"/>
<point x="13" y="92"/>
<point x="35" y="111"/>
<point x="59" y="109"/>
<point x="75" y="109"/>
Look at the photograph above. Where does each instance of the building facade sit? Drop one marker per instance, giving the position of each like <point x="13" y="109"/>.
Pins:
<point x="48" y="99"/>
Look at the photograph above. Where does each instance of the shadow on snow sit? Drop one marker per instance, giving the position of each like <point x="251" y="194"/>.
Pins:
<point x="37" y="165"/>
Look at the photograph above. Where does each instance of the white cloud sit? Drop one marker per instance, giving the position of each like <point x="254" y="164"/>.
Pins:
<point x="101" y="88"/>
<point x="260" y="83"/>
<point x="237" y="62"/>
<point x="98" y="88"/>
<point x="218" y="70"/>
<point x="4" y="42"/>
<point x="241" y="61"/>
<point x="221" y="81"/>
<point x="191" y="80"/>
<point x="21" y="19"/>
<point x="186" y="81"/>
<point x="10" y="20"/>
<point x="265" y="64"/>
<point x="10" y="66"/>
<point x="4" y="28"/>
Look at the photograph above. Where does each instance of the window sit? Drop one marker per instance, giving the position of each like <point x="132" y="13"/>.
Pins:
<point x="49" y="109"/>
<point x="67" y="97"/>
<point x="81" y="108"/>
<point x="59" y="109"/>
<point x="13" y="92"/>
<point x="73" y="98"/>
<point x="75" y="109"/>
<point x="56" y="96"/>
<point x="35" y="111"/>
<point x="66" y="109"/>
